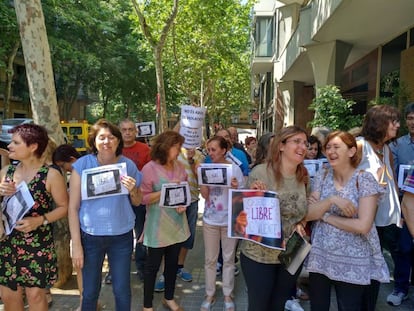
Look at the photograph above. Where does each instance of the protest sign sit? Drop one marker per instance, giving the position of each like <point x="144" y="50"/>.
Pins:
<point x="255" y="215"/>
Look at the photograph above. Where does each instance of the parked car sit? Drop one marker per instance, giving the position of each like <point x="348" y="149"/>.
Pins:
<point x="6" y="126"/>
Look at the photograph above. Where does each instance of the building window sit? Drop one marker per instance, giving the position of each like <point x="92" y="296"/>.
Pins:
<point x="264" y="37"/>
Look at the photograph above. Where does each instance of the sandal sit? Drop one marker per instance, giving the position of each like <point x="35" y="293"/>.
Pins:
<point x="229" y="306"/>
<point x="207" y="305"/>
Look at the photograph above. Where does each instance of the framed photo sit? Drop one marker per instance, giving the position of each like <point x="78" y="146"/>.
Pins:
<point x="145" y="129"/>
<point x="402" y="174"/>
<point x="174" y="195"/>
<point x="103" y="181"/>
<point x="213" y="174"/>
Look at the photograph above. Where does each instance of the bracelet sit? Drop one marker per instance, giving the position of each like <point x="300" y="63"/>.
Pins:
<point x="325" y="217"/>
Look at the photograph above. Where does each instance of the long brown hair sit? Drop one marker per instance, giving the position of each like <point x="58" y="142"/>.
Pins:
<point x="274" y="159"/>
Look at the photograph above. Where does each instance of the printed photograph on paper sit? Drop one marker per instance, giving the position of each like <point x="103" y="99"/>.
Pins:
<point x="313" y="166"/>
<point x="408" y="182"/>
<point x="103" y="181"/>
<point x="16" y="206"/>
<point x="254" y="215"/>
<point x="403" y="173"/>
<point x="145" y="129"/>
<point x="174" y="195"/>
<point x="213" y="174"/>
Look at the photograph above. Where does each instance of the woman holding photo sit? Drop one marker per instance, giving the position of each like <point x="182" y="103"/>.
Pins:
<point x="165" y="228"/>
<point x="215" y="228"/>
<point x="269" y="284"/>
<point x="102" y="226"/>
<point x="28" y="262"/>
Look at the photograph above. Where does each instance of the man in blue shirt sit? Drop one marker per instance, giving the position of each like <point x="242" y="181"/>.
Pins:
<point x="403" y="153"/>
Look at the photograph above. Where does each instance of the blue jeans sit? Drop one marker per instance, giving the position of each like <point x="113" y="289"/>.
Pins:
<point x="401" y="256"/>
<point x="119" y="251"/>
<point x="192" y="214"/>
<point x="140" y="249"/>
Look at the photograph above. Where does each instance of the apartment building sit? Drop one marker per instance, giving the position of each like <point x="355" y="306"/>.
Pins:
<point x="299" y="45"/>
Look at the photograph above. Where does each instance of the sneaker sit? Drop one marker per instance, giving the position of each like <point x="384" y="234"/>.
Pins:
<point x="293" y="305"/>
<point x="236" y="271"/>
<point x="108" y="279"/>
<point x="160" y="284"/>
<point x="395" y="298"/>
<point x="301" y="294"/>
<point x="184" y="275"/>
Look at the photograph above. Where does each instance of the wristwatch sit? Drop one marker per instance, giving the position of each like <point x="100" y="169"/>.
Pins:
<point x="45" y="221"/>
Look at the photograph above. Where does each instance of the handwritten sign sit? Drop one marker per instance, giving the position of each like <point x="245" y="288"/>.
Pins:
<point x="192" y="137"/>
<point x="263" y="217"/>
<point x="254" y="215"/>
<point x="192" y="117"/>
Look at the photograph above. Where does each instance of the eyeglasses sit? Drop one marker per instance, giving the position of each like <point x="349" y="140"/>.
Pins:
<point x="395" y="122"/>
<point x="298" y="142"/>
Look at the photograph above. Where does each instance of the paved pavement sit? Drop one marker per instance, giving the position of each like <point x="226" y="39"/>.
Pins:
<point x="190" y="295"/>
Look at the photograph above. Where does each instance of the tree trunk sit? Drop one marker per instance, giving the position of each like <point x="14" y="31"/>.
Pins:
<point x="9" y="79"/>
<point x="157" y="47"/>
<point x="163" y="125"/>
<point x="43" y="100"/>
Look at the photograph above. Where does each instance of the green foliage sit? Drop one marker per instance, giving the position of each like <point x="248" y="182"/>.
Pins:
<point x="332" y="110"/>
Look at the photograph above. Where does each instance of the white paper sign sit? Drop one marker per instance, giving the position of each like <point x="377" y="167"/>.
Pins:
<point x="192" y="117"/>
<point x="402" y="174"/>
<point x="254" y="215"/>
<point x="214" y="174"/>
<point x="313" y="166"/>
<point x="175" y="195"/>
<point x="103" y="181"/>
<point x="263" y="214"/>
<point x="16" y="206"/>
<point x="145" y="129"/>
<point x="192" y="137"/>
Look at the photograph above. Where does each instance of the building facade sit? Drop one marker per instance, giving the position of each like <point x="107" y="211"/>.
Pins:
<point x="299" y="45"/>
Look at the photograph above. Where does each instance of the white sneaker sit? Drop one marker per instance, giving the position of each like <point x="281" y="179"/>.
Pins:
<point x="293" y="305"/>
<point x="396" y="298"/>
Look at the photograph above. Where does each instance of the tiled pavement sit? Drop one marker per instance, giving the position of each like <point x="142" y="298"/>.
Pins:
<point x="190" y="295"/>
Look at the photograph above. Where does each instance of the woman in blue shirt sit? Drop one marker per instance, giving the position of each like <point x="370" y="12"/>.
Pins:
<point x="102" y="225"/>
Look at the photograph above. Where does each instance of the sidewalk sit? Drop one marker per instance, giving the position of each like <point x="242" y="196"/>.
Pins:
<point x="191" y="294"/>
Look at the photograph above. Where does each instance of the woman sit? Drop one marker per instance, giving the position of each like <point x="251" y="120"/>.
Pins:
<point x="315" y="148"/>
<point x="251" y="144"/>
<point x="269" y="284"/>
<point x="165" y="228"/>
<point x="27" y="255"/>
<point x="346" y="252"/>
<point x="215" y="228"/>
<point x="262" y="148"/>
<point x="102" y="226"/>
<point x="380" y="126"/>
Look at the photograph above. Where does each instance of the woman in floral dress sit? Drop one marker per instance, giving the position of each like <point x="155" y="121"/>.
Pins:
<point x="27" y="255"/>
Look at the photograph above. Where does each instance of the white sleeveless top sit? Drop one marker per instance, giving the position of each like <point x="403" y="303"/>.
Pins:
<point x="389" y="210"/>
